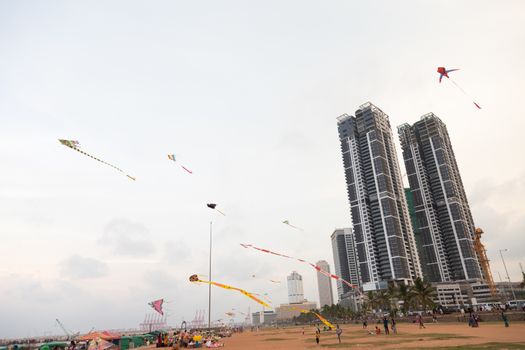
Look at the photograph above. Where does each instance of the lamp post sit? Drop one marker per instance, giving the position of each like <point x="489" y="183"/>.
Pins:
<point x="507" y="271"/>
<point x="209" y="286"/>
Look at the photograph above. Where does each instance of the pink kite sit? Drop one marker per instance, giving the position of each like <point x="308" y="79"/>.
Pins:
<point x="157" y="305"/>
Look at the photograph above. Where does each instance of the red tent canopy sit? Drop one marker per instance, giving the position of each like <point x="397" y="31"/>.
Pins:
<point x="102" y="335"/>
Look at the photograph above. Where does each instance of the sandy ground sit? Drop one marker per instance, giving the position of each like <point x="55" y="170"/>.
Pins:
<point x="409" y="336"/>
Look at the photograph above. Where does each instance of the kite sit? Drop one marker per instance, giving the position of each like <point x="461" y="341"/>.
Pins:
<point x="231" y="314"/>
<point x="195" y="278"/>
<point x="264" y="296"/>
<point x="286" y="222"/>
<point x="157" y="305"/>
<point x="444" y="73"/>
<point x="73" y="144"/>
<point x="172" y="157"/>
<point x="321" y="318"/>
<point x="327" y="274"/>
<point x="214" y="206"/>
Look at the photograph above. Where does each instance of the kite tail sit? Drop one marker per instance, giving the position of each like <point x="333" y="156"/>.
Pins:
<point x="101" y="161"/>
<point x="324" y="320"/>
<point x="321" y="318"/>
<point x="220" y="211"/>
<point x="188" y="170"/>
<point x="225" y="286"/>
<point x="327" y="274"/>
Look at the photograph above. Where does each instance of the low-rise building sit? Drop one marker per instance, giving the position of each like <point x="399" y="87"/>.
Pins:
<point x="268" y="317"/>
<point x="451" y="295"/>
<point x="289" y="311"/>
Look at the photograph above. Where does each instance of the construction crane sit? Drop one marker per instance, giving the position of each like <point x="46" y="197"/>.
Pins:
<point x="485" y="266"/>
<point x="69" y="334"/>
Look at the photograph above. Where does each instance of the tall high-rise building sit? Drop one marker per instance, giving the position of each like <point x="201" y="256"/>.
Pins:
<point x="295" y="288"/>
<point x="345" y="260"/>
<point x="324" y="284"/>
<point x="386" y="248"/>
<point x="445" y="224"/>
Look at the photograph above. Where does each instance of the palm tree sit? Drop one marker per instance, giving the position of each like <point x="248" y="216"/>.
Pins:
<point x="405" y="294"/>
<point x="366" y="306"/>
<point x="422" y="292"/>
<point x="372" y="300"/>
<point x="392" y="294"/>
<point x="326" y="311"/>
<point x="383" y="299"/>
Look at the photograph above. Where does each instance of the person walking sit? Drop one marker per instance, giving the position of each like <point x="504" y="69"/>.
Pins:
<point x="505" y="318"/>
<point x="419" y="320"/>
<point x="385" y="325"/>
<point x="317" y="336"/>
<point x="393" y="325"/>
<point x="338" y="331"/>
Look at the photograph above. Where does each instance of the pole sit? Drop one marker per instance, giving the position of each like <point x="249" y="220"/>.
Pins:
<point x="500" y="279"/>
<point x="507" y="271"/>
<point x="209" y="285"/>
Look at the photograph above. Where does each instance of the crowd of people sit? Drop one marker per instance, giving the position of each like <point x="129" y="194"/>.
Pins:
<point x="189" y="339"/>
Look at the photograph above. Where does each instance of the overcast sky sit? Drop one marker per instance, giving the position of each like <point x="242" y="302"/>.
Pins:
<point x="246" y="93"/>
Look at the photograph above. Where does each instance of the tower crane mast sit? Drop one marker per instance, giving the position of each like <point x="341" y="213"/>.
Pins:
<point x="484" y="261"/>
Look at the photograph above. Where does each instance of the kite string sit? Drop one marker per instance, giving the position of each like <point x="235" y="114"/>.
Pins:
<point x="464" y="92"/>
<point x="459" y="87"/>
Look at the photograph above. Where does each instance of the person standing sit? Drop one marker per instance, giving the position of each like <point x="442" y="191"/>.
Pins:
<point x="317" y="336"/>
<point x="338" y="331"/>
<point x="505" y="318"/>
<point x="393" y="325"/>
<point x="385" y="325"/>
<point x="419" y="320"/>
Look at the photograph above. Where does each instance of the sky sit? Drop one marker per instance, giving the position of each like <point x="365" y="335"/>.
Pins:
<point x="246" y="94"/>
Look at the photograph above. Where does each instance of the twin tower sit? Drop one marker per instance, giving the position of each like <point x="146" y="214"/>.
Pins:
<point x="437" y="242"/>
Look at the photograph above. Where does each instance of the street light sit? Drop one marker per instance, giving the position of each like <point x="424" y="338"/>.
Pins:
<point x="507" y="271"/>
<point x="209" y="285"/>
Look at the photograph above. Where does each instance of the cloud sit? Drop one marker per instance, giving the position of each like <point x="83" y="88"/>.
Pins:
<point x="161" y="281"/>
<point x="78" y="267"/>
<point x="31" y="288"/>
<point x="127" y="238"/>
<point x="176" y="252"/>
